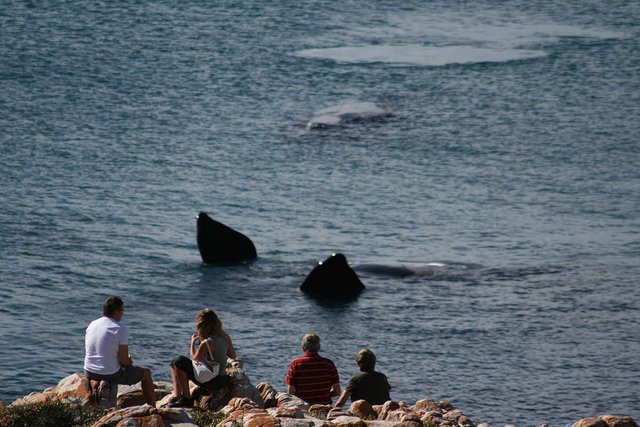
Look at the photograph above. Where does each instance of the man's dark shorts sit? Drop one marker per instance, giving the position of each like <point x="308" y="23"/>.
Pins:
<point x="128" y="376"/>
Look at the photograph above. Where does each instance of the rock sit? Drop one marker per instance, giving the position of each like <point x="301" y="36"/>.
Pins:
<point x="363" y="409"/>
<point x="288" y="400"/>
<point x="131" y="395"/>
<point x="241" y="386"/>
<point x="386" y="408"/>
<point x="426" y="405"/>
<point x="239" y="403"/>
<point x="268" y="394"/>
<point x="286" y="412"/>
<point x="336" y="413"/>
<point x="431" y="417"/>
<point x="260" y="420"/>
<point x="348" y="421"/>
<point x="72" y="389"/>
<point x="320" y="411"/>
<point x="239" y="415"/>
<point x="446" y="406"/>
<point x="589" y="422"/>
<point x="618" y="421"/>
<point x="146" y="416"/>
<point x="296" y="422"/>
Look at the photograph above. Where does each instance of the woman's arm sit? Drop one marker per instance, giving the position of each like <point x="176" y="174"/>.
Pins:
<point x="202" y="352"/>
<point x="231" y="352"/>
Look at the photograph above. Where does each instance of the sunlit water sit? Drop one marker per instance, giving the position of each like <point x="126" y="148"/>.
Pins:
<point x="500" y="140"/>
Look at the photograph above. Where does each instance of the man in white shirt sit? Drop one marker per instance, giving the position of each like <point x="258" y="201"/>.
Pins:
<point x="107" y="351"/>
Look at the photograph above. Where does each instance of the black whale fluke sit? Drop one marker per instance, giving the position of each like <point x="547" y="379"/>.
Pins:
<point x="219" y="244"/>
<point x="333" y="278"/>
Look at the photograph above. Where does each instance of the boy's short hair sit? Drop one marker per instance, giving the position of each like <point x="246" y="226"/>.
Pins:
<point x="366" y="360"/>
<point x="112" y="304"/>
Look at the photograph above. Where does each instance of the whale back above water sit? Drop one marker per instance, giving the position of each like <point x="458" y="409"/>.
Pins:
<point x="346" y="113"/>
<point x="220" y="244"/>
<point x="333" y="278"/>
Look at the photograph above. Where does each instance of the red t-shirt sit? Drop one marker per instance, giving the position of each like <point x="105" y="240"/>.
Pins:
<point x="312" y="377"/>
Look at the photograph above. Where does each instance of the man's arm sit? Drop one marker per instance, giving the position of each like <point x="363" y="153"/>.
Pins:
<point x="335" y="390"/>
<point x="291" y="390"/>
<point x="343" y="398"/>
<point x="123" y="356"/>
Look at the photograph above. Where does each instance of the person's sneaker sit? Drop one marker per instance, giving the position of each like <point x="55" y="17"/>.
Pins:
<point x="181" y="402"/>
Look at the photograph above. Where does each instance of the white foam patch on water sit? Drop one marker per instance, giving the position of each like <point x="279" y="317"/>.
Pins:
<point x="420" y="55"/>
<point x="436" y="39"/>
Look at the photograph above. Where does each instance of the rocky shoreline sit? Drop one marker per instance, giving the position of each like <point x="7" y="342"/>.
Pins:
<point x="244" y="404"/>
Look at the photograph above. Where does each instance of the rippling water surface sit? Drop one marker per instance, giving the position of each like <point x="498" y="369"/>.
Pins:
<point x="507" y="150"/>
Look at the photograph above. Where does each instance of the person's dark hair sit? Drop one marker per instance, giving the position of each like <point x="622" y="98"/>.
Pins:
<point x="112" y="304"/>
<point x="366" y="360"/>
<point x="311" y="343"/>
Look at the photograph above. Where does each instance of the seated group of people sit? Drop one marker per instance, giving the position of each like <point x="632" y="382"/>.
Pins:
<point x="311" y="377"/>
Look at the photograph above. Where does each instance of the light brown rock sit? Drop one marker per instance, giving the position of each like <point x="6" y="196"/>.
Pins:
<point x="260" y="420"/>
<point x="363" y="409"/>
<point x="268" y="394"/>
<point x="386" y="408"/>
<point x="426" y="405"/>
<point x="589" y="422"/>
<point x="288" y="400"/>
<point x="431" y="417"/>
<point x="618" y="421"/>
<point x="348" y="421"/>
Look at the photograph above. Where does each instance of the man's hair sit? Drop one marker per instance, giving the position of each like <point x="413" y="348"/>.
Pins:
<point x="311" y="343"/>
<point x="366" y="360"/>
<point x="112" y="304"/>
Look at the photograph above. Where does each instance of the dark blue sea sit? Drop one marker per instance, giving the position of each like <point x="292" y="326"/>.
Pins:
<point x="493" y="147"/>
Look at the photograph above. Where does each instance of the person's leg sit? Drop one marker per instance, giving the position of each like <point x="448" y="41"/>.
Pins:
<point x="148" y="388"/>
<point x="181" y="373"/>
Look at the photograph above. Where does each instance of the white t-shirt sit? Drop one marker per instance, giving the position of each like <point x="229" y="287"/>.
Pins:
<point x="102" y="340"/>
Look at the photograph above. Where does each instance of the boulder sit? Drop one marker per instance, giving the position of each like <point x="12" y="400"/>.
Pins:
<point x="289" y="400"/>
<point x="74" y="388"/>
<point x="146" y="415"/>
<point x="363" y="409"/>
<point x="241" y="386"/>
<point x="268" y="394"/>
<point x="348" y="421"/>
<point x="131" y="395"/>
<point x="426" y="405"/>
<point x="589" y="422"/>
<point x="387" y="407"/>
<point x="320" y="411"/>
<point x="618" y="421"/>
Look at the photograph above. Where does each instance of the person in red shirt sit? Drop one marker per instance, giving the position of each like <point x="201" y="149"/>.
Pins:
<point x="313" y="378"/>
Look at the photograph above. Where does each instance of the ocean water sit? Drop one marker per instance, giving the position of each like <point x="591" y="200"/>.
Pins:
<point x="499" y="140"/>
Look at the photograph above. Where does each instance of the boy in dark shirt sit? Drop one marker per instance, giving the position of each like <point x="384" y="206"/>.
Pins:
<point x="367" y="384"/>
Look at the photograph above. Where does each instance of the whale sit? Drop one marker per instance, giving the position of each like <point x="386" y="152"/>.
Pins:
<point x="346" y="113"/>
<point x="400" y="269"/>
<point x="333" y="278"/>
<point x="220" y="244"/>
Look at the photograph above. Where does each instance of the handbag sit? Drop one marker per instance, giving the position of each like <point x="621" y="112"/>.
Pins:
<point x="205" y="370"/>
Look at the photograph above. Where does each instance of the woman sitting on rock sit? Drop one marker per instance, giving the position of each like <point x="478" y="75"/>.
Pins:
<point x="212" y="341"/>
<point x="367" y="384"/>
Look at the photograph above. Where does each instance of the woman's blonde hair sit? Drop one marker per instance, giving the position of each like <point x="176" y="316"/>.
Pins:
<point x="209" y="323"/>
